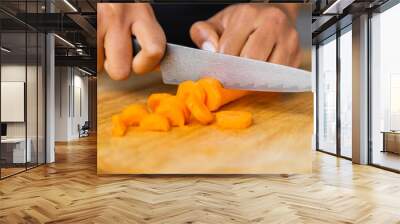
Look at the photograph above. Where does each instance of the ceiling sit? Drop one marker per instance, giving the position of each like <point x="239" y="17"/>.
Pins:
<point x="75" y="21"/>
<point x="72" y="20"/>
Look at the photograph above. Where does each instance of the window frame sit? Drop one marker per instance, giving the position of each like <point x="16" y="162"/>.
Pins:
<point x="378" y="10"/>
<point x="26" y="30"/>
<point x="333" y="37"/>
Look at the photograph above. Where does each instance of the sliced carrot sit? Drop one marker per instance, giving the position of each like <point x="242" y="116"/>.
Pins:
<point x="233" y="119"/>
<point x="176" y="101"/>
<point x="187" y="88"/>
<point x="118" y="126"/>
<point x="217" y="95"/>
<point x="212" y="87"/>
<point x="155" y="122"/>
<point x="154" y="100"/>
<point x="132" y="114"/>
<point x="229" y="95"/>
<point x="199" y="110"/>
<point x="174" y="110"/>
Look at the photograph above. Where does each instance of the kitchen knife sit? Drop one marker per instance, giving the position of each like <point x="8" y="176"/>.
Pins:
<point x="184" y="63"/>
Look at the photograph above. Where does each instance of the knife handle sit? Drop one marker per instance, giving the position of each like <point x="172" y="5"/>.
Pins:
<point x="136" y="46"/>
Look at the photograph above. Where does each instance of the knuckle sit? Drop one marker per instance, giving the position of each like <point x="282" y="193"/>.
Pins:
<point x="248" y="8"/>
<point x="246" y="11"/>
<point x="155" y="52"/>
<point x="278" y="16"/>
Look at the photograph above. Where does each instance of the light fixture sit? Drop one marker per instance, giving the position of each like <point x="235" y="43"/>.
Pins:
<point x="80" y="51"/>
<point x="70" y="5"/>
<point x="84" y="71"/>
<point x="5" y="50"/>
<point x="64" y="40"/>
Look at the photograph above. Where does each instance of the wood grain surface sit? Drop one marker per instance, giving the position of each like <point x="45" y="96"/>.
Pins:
<point x="70" y="191"/>
<point x="279" y="141"/>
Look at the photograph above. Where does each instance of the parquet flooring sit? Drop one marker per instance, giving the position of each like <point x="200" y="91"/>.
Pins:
<point x="69" y="191"/>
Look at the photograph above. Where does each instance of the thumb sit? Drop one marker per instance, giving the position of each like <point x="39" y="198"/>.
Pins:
<point x="205" y="35"/>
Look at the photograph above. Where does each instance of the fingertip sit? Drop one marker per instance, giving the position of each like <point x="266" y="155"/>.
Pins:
<point x="208" y="46"/>
<point x="204" y="35"/>
<point x="148" y="58"/>
<point x="152" y="41"/>
<point x="194" y="32"/>
<point x="141" y="68"/>
<point x="117" y="72"/>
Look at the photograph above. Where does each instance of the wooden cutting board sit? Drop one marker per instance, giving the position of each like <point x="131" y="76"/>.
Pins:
<point x="279" y="141"/>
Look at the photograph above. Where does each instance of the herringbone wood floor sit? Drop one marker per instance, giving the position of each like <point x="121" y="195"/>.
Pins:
<point x="69" y="191"/>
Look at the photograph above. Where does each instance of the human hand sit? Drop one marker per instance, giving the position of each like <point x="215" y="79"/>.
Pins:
<point x="116" y="24"/>
<point x="259" y="31"/>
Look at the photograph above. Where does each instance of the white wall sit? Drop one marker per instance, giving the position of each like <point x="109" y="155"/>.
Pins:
<point x="12" y="73"/>
<point x="61" y="103"/>
<point x="83" y="83"/>
<point x="70" y="84"/>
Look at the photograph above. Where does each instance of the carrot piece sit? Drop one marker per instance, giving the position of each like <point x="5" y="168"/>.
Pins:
<point x="229" y="95"/>
<point x="212" y="87"/>
<point x="154" y="100"/>
<point x="132" y="114"/>
<point x="176" y="101"/>
<point x="155" y="122"/>
<point x="118" y="126"/>
<point x="174" y="110"/>
<point x="187" y="88"/>
<point x="217" y="95"/>
<point x="233" y="119"/>
<point x="199" y="110"/>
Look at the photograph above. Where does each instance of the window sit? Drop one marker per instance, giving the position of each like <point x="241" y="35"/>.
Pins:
<point x="385" y="89"/>
<point x="22" y="78"/>
<point x="327" y="95"/>
<point x="346" y="74"/>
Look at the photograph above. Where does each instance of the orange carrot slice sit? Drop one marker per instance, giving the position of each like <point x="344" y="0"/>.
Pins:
<point x="174" y="115"/>
<point x="154" y="100"/>
<point x="174" y="110"/>
<point x="229" y="95"/>
<point x="216" y="95"/>
<point x="132" y="114"/>
<point x="199" y="110"/>
<point x="212" y="87"/>
<point x="233" y="119"/>
<point x="155" y="122"/>
<point x="118" y="126"/>
<point x="177" y="102"/>
<point x="187" y="88"/>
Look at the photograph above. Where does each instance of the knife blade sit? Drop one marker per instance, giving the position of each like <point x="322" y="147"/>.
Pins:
<point x="184" y="63"/>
